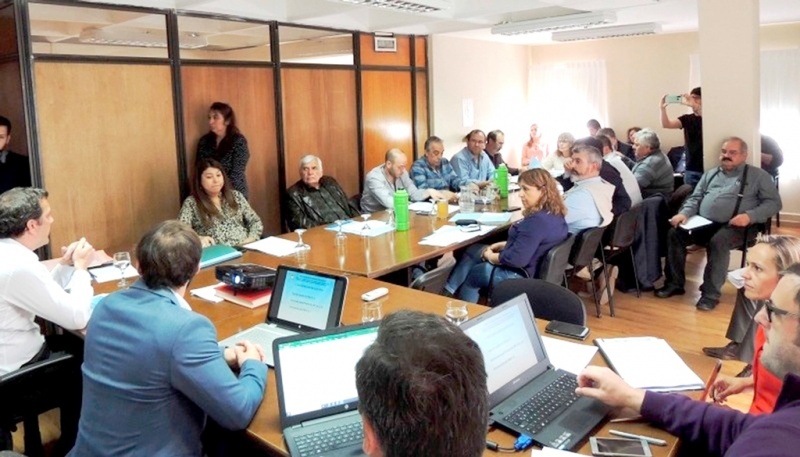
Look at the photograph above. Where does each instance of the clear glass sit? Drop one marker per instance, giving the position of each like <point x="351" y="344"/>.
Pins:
<point x="390" y="220"/>
<point x="365" y="228"/>
<point x="456" y="312"/>
<point x="122" y="260"/>
<point x="466" y="201"/>
<point x="371" y="311"/>
<point x="341" y="237"/>
<point x="301" y="246"/>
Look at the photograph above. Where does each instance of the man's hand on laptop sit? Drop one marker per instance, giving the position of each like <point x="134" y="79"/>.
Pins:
<point x="603" y="384"/>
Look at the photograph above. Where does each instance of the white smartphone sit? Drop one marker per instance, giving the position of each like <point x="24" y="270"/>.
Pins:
<point x="674" y="99"/>
<point x="620" y="447"/>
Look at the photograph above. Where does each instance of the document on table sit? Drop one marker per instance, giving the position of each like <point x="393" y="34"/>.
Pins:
<point x="373" y="228"/>
<point x="279" y="247"/>
<point x="648" y="363"/>
<point x="427" y="207"/>
<point x="451" y="234"/>
<point x="208" y="293"/>
<point x="483" y="218"/>
<point x="694" y="222"/>
<point x="572" y="357"/>
<point x="111" y="273"/>
<point x="552" y="452"/>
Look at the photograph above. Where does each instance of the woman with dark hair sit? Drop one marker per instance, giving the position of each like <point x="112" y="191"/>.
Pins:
<point x="632" y="134"/>
<point x="542" y="227"/>
<point x="225" y="144"/>
<point x="219" y="214"/>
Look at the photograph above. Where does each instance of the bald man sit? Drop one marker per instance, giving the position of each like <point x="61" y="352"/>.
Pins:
<point x="383" y="180"/>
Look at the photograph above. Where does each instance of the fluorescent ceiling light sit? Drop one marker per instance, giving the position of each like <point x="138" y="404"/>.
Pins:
<point x="645" y="28"/>
<point x="408" y="6"/>
<point x="140" y="38"/>
<point x="569" y="21"/>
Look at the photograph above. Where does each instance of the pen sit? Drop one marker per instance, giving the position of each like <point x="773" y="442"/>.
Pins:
<point x="649" y="439"/>
<point x="709" y="389"/>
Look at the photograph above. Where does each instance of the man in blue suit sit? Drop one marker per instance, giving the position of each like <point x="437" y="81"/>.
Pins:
<point x="152" y="368"/>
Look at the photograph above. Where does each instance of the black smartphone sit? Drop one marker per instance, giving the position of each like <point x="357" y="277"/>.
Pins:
<point x="559" y="328"/>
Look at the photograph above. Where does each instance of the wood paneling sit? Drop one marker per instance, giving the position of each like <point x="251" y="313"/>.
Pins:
<point x="250" y="93"/>
<point x="319" y="117"/>
<point x="422" y="111"/>
<point x="420" y="51"/>
<point x="108" y="150"/>
<point x="386" y="114"/>
<point x="11" y="105"/>
<point x="400" y="58"/>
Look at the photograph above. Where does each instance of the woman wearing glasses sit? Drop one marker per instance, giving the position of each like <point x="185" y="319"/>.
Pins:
<point x="765" y="262"/>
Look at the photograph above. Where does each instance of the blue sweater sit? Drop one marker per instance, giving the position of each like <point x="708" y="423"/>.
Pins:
<point x="529" y="240"/>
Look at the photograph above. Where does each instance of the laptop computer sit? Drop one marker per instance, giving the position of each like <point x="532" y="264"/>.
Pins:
<point x="317" y="394"/>
<point x="302" y="301"/>
<point x="526" y="393"/>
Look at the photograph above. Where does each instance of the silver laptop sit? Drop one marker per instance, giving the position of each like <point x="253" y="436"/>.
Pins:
<point x="317" y="393"/>
<point x="302" y="301"/>
<point x="526" y="393"/>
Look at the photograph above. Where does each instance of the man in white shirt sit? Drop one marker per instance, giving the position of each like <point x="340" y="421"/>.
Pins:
<point x="616" y="160"/>
<point x="62" y="296"/>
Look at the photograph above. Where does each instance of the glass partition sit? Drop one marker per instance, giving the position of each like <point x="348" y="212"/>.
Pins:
<point x="224" y="40"/>
<point x="321" y="47"/>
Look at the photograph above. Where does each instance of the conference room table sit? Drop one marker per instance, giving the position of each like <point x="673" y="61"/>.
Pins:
<point x="265" y="428"/>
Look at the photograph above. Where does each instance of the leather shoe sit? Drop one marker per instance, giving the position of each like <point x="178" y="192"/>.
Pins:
<point x="727" y="352"/>
<point x="746" y="372"/>
<point x="706" y="304"/>
<point x="669" y="290"/>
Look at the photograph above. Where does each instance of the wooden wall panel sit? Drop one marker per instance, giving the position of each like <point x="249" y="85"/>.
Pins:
<point x="422" y="111"/>
<point x="319" y="117"/>
<point x="386" y="114"/>
<point x="108" y="150"/>
<point x="11" y="105"/>
<point x="420" y="51"/>
<point x="250" y="92"/>
<point x="8" y="31"/>
<point x="401" y="58"/>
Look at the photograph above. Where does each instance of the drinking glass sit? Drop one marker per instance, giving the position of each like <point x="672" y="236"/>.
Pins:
<point x="456" y="312"/>
<point x="371" y="311"/>
<point x="300" y="246"/>
<point x="340" y="235"/>
<point x="390" y="220"/>
<point x="365" y="228"/>
<point x="122" y="260"/>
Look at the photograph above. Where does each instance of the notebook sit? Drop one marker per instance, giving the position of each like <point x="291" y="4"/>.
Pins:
<point x="317" y="394"/>
<point x="218" y="253"/>
<point x="526" y="393"/>
<point x="302" y="301"/>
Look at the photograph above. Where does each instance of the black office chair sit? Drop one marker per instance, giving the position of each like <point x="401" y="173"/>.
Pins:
<point x="554" y="266"/>
<point x="355" y="202"/>
<point x="433" y="281"/>
<point x="37" y="388"/>
<point x="622" y="239"/>
<point x="587" y="244"/>
<point x="548" y="301"/>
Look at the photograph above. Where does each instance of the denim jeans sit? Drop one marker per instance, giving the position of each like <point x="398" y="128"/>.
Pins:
<point x="692" y="177"/>
<point x="472" y="274"/>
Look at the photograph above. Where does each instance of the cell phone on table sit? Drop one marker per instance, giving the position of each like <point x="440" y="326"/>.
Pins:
<point x="559" y="328"/>
<point x="673" y="99"/>
<point x="620" y="447"/>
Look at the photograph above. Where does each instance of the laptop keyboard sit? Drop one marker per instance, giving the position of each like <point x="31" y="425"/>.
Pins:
<point x="330" y="439"/>
<point x="533" y="415"/>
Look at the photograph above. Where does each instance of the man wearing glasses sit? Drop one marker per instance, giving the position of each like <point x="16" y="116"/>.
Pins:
<point x="711" y="430"/>
<point x="732" y="196"/>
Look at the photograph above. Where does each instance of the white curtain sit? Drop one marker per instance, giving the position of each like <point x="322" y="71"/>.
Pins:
<point x="563" y="96"/>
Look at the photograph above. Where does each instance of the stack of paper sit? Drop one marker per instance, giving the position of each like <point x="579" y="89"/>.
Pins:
<point x="648" y="363"/>
<point x="451" y="234"/>
<point x="483" y="218"/>
<point x="273" y="245"/>
<point x="208" y="293"/>
<point x="111" y="273"/>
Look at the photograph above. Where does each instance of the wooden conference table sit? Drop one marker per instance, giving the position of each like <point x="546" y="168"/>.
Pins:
<point x="265" y="428"/>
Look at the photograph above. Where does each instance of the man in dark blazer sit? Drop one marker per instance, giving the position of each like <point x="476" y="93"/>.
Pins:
<point x="620" y="146"/>
<point x="14" y="168"/>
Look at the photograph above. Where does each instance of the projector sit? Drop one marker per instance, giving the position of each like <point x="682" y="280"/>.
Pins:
<point x="246" y="276"/>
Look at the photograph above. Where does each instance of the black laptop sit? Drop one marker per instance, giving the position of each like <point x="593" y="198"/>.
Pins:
<point x="317" y="395"/>
<point x="526" y="393"/>
<point x="302" y="301"/>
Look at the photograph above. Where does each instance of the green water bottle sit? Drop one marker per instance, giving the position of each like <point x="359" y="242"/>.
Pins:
<point x="501" y="178"/>
<point x="401" y="210"/>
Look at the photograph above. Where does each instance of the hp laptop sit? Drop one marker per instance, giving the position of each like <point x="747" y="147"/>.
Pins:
<point x="317" y="390"/>
<point x="526" y="393"/>
<point x="302" y="301"/>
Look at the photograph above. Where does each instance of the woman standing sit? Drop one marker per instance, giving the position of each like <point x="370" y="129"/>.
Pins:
<point x="225" y="144"/>
<point x="542" y="227"/>
<point x="533" y="148"/>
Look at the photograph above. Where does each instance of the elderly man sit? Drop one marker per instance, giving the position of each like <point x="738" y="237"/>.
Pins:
<point x="433" y="171"/>
<point x="422" y="389"/>
<point x="316" y="199"/>
<point x="621" y="201"/>
<point x="153" y="370"/>
<point x="384" y="180"/>
<point x="618" y="161"/>
<point x="653" y="171"/>
<point x="733" y="196"/>
<point x="624" y="149"/>
<point x="472" y="164"/>
<point x="494" y="143"/>
<point x="711" y="430"/>
<point x="692" y="125"/>
<point x="589" y="200"/>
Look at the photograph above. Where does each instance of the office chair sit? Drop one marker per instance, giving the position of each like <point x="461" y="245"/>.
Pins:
<point x="548" y="301"/>
<point x="433" y="281"/>
<point x="584" y="251"/>
<point x="554" y="266"/>
<point x="622" y="239"/>
<point x="355" y="202"/>
<point x="37" y="388"/>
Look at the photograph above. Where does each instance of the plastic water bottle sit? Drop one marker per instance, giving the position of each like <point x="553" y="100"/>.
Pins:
<point x="401" y="210"/>
<point x="501" y="178"/>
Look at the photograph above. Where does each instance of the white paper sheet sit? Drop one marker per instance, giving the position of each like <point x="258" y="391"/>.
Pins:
<point x="111" y="273"/>
<point x="483" y="218"/>
<point x="568" y="356"/>
<point x="427" y="207"/>
<point x="552" y="452"/>
<point x="208" y="293"/>
<point x="279" y="247"/>
<point x="694" y="222"/>
<point x="451" y="234"/>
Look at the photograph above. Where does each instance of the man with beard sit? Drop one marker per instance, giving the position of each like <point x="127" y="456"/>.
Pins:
<point x="589" y="200"/>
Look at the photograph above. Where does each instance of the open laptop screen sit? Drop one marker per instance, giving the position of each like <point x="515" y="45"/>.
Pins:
<point x="307" y="300"/>
<point x="317" y="372"/>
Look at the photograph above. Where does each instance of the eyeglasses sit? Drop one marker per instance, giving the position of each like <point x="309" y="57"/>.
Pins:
<point x="772" y="309"/>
